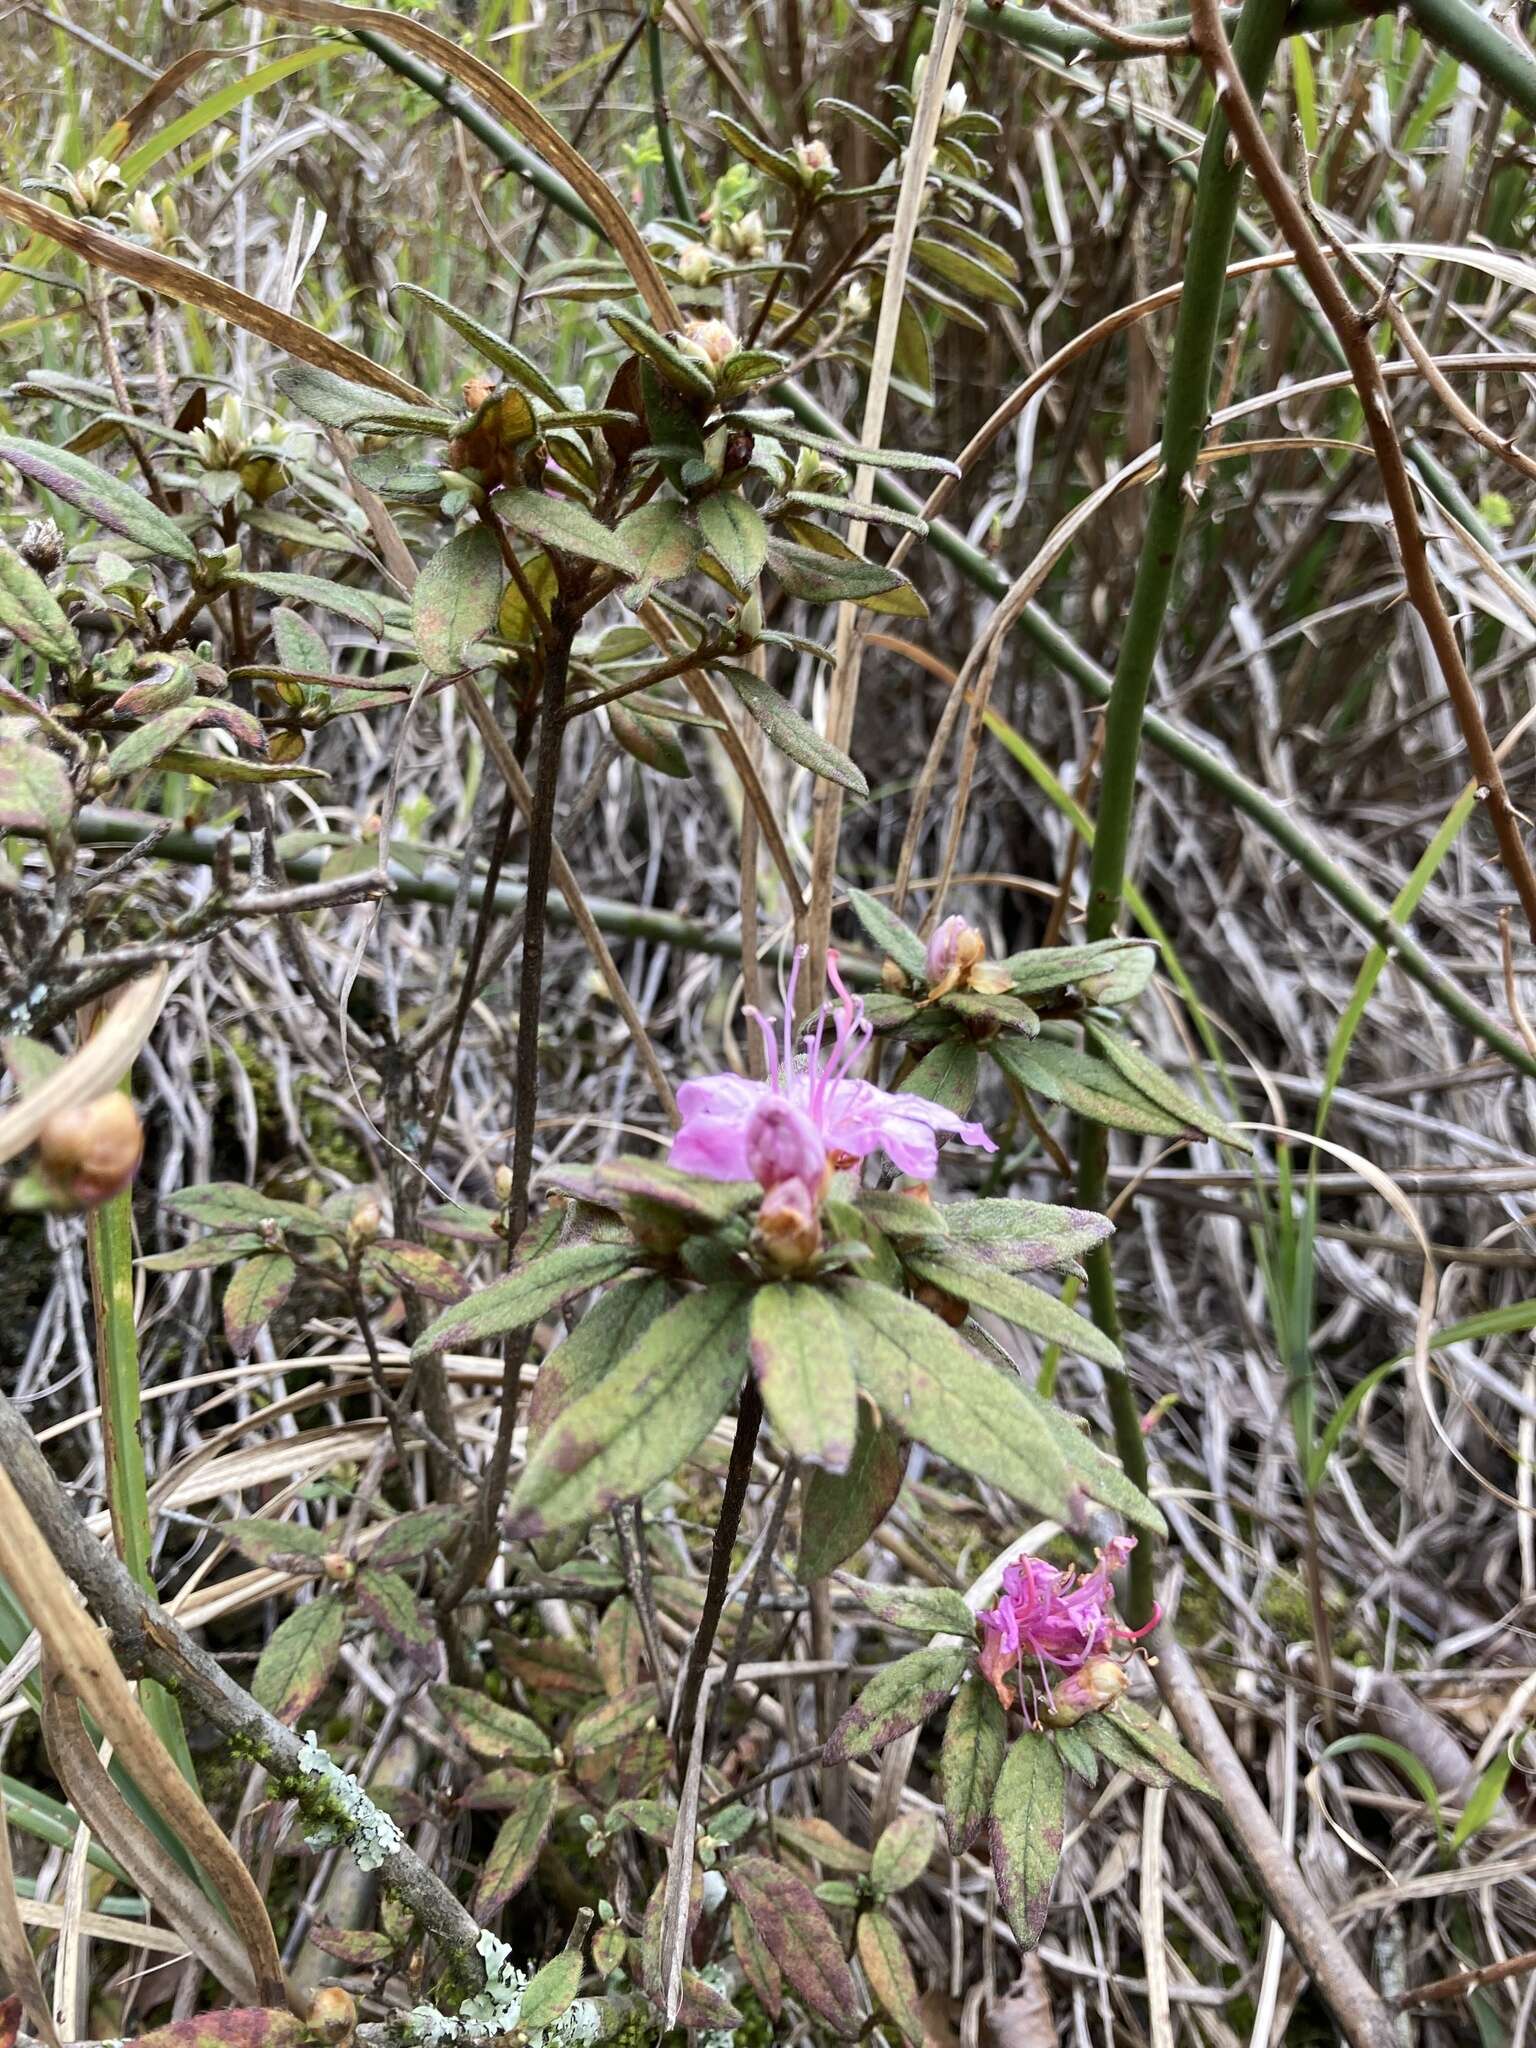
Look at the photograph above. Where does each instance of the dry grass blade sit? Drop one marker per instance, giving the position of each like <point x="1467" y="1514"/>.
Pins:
<point x="17" y="1962"/>
<point x="75" y="1642"/>
<point x="99" y="1064"/>
<point x="519" y="112"/>
<point x="188" y="287"/>
<point x="104" y="1810"/>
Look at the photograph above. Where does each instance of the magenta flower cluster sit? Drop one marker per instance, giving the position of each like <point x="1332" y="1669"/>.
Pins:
<point x="812" y="1115"/>
<point x="1050" y="1625"/>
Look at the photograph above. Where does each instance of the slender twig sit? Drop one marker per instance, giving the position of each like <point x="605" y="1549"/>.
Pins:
<point x="661" y="113"/>
<point x="1354" y="338"/>
<point x="749" y="1418"/>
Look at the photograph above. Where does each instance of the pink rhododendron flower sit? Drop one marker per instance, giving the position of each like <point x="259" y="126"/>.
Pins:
<point x="1051" y="1621"/>
<point x="729" y="1131"/>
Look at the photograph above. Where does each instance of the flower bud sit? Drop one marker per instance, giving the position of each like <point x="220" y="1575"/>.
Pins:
<point x="783" y="1144"/>
<point x="367" y="1221"/>
<point x="856" y="300"/>
<point x="41" y="546"/>
<point x="814" y="156"/>
<point x="695" y="266"/>
<point x="333" y="2015"/>
<point x="949" y="1308"/>
<point x="1098" y="1685"/>
<point x="94" y="188"/>
<point x="92" y="1152"/>
<point x="954" y="949"/>
<point x="712" y="338"/>
<point x="788" y="1233"/>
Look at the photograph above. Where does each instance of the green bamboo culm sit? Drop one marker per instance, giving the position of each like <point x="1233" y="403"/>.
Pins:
<point x="1185" y="412"/>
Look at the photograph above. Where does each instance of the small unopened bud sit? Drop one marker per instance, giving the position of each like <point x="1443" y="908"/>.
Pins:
<point x="713" y="339"/>
<point x="954" y="947"/>
<point x="892" y="976"/>
<point x="367" y="1221"/>
<point x="695" y="266"/>
<point x="503" y="1186"/>
<point x="1098" y="1685"/>
<point x="788" y="1233"/>
<point x="856" y="300"/>
<point x="41" y="546"/>
<point x="954" y="103"/>
<point x="332" y="2015"/>
<point x="92" y="1152"/>
<point x="476" y="391"/>
<point x="814" y="156"/>
<point x="783" y="1144"/>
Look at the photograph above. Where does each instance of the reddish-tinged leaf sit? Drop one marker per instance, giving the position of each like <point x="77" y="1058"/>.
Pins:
<point x="516" y="1848"/>
<point x="389" y="1603"/>
<point x="456" y="599"/>
<point x="900" y="1697"/>
<point x="240" y="2026"/>
<point x="10" y="2021"/>
<point x="100" y="495"/>
<point x="1105" y="1735"/>
<point x="550" y="1669"/>
<point x="408" y="1538"/>
<point x="818" y="1838"/>
<point x="256" y="1291"/>
<point x="500" y="1791"/>
<point x="230" y="1205"/>
<point x="801" y="1939"/>
<point x="608" y="1946"/>
<point x="612" y="1326"/>
<point x="418" y="1270"/>
<point x="975" y="1737"/>
<point x="498" y="1734"/>
<point x="839" y="1512"/>
<point x="1162" y="1745"/>
<point x="523" y="1296"/>
<point x="758" y="1966"/>
<point x="284" y="1546"/>
<point x="885" y="1964"/>
<point x="903" y="1852"/>
<point x="620" y="1646"/>
<point x="1028" y="1823"/>
<point x="920" y="1610"/>
<point x="361" y="1948"/>
<point x="296" y="1665"/>
<point x="35" y="791"/>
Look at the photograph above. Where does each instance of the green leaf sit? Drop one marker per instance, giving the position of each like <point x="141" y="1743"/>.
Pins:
<point x="256" y="1291"/>
<point x="29" y="609"/>
<point x="899" y="1697"/>
<point x="516" y="1849"/>
<point x="886" y="931"/>
<point x="495" y="1733"/>
<point x="920" y="1610"/>
<point x="774" y="163"/>
<point x="36" y="795"/>
<point x="647" y="741"/>
<point x="1484" y="1802"/>
<point x="99" y="495"/>
<point x="1094" y="1471"/>
<point x="824" y="1843"/>
<point x="340" y="598"/>
<point x="1105" y="1735"/>
<point x="839" y="1512"/>
<point x="885" y="1965"/>
<point x="821" y="577"/>
<point x="948" y="1075"/>
<point x="415" y="1268"/>
<point x="515" y="621"/>
<point x="610" y="1328"/>
<point x="407" y="1539"/>
<point x="562" y="524"/>
<point x="1028" y="1822"/>
<point x="783" y="428"/>
<point x="1148" y="1078"/>
<point x="1025" y="1237"/>
<point x="977" y="279"/>
<point x="646" y="1418"/>
<point x="926" y="1383"/>
<point x="296" y="1665"/>
<point x="1083" y="1083"/>
<point x="281" y="1545"/>
<point x="1113" y="961"/>
<point x="685" y="373"/>
<point x="970" y="1757"/>
<point x="515" y="366"/>
<point x="661" y="541"/>
<point x="792" y="734"/>
<point x="336" y="402"/>
<point x="1162" y="1745"/>
<point x="1016" y="1300"/>
<point x="229" y="1205"/>
<point x="389" y="1603"/>
<point x="735" y="535"/>
<point x="528" y="1292"/>
<point x="550" y="1992"/>
<point x="798" y="1935"/>
<point x="1077" y="1753"/>
<point x="457" y="599"/>
<point x="903" y="1852"/>
<point x="141" y="748"/>
<point x="804" y="1373"/>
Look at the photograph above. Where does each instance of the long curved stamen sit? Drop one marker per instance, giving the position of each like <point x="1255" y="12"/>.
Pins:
<point x="789" y="1011"/>
<point x="770" y="1044"/>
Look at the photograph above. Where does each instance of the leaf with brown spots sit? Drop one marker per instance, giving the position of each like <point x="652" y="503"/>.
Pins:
<point x="801" y="1939"/>
<point x="899" y="1697"/>
<point x="1028" y="1823"/>
<point x="296" y="1666"/>
<point x="889" y="1973"/>
<point x="970" y="1757"/>
<point x="240" y="2026"/>
<point x="516" y="1848"/>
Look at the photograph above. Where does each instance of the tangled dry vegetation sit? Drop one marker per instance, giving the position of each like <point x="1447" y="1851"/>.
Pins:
<point x="486" y="559"/>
